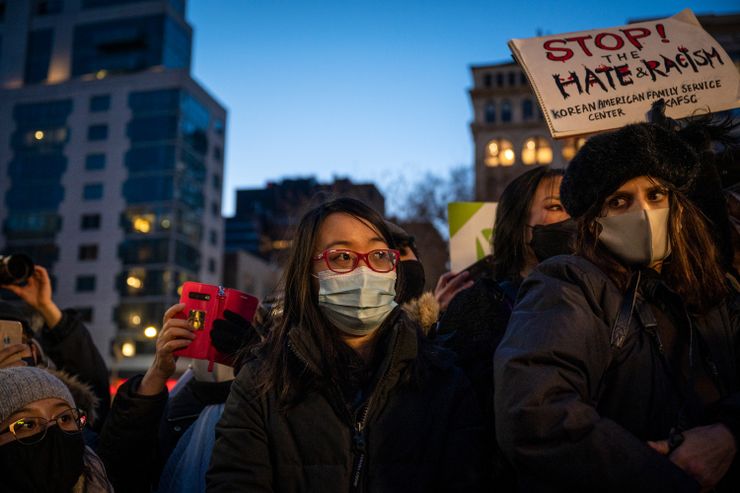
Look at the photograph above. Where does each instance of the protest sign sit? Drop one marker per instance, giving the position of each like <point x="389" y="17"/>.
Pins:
<point x="471" y="229"/>
<point x="603" y="79"/>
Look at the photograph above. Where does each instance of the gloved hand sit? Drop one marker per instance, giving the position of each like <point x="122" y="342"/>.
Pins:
<point x="230" y="333"/>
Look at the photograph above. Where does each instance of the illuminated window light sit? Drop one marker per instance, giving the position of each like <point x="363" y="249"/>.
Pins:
<point x="165" y="223"/>
<point x="135" y="319"/>
<point x="101" y="74"/>
<point x="150" y="332"/>
<point x="38" y="135"/>
<point x="128" y="349"/>
<point x="500" y="152"/>
<point x="142" y="224"/>
<point x="134" y="282"/>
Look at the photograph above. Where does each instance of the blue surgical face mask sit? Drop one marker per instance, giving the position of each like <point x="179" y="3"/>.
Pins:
<point x="359" y="301"/>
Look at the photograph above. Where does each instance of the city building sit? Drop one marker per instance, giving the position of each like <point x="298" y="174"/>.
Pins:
<point x="508" y="128"/>
<point x="265" y="217"/>
<point x="111" y="161"/>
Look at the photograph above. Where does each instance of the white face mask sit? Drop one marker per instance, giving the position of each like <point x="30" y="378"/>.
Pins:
<point x="357" y="302"/>
<point x="638" y="238"/>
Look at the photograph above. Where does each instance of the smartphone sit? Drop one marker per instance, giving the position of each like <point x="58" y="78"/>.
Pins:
<point x="481" y="268"/>
<point x="11" y="332"/>
<point x="205" y="303"/>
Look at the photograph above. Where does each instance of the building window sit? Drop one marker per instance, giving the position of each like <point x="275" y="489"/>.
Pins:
<point x="217" y="153"/>
<point x="38" y="56"/>
<point x="523" y="78"/>
<point x="500" y="152"/>
<point x="218" y="126"/>
<point x="537" y="150"/>
<point x="97" y="132"/>
<point x="527" y="110"/>
<point x="94" y="162"/>
<point x="489" y="112"/>
<point x="571" y="146"/>
<point x="47" y="7"/>
<point x="92" y="191"/>
<point x="512" y="79"/>
<point x="500" y="79"/>
<point x="212" y="265"/>
<point x="2" y="11"/>
<point x="213" y="237"/>
<point x="216" y="181"/>
<point x="85" y="284"/>
<point x="215" y="209"/>
<point x="506" y="111"/>
<point x="487" y="80"/>
<point x="85" y="313"/>
<point x="90" y="221"/>
<point x="87" y="252"/>
<point x="100" y="103"/>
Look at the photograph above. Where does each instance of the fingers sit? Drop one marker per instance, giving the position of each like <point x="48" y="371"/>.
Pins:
<point x="660" y="446"/>
<point x="444" y="279"/>
<point x="11" y="355"/>
<point x="172" y="311"/>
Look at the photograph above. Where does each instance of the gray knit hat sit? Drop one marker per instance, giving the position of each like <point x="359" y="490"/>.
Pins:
<point x="24" y="384"/>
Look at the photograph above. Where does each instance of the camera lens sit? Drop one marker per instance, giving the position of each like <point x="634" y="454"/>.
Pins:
<point x="15" y="269"/>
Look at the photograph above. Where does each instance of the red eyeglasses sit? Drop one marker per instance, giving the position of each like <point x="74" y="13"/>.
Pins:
<point x="343" y="261"/>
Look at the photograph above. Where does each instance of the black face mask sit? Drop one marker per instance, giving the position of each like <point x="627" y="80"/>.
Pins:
<point x="554" y="239"/>
<point x="411" y="281"/>
<point x="51" y="466"/>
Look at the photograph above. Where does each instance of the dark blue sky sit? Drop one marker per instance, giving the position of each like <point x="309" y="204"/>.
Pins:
<point x="375" y="90"/>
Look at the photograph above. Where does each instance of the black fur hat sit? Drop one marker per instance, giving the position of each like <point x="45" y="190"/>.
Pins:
<point x="608" y="160"/>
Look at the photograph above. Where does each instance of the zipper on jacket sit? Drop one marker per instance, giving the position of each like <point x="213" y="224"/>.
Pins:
<point x="358" y="437"/>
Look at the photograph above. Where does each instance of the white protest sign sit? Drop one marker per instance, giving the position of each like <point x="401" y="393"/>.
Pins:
<point x="603" y="79"/>
<point x="471" y="229"/>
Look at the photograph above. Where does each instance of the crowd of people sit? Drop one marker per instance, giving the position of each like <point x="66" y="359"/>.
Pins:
<point x="598" y="352"/>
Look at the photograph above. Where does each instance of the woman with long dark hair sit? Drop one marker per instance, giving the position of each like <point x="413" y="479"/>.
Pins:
<point x="345" y="394"/>
<point x="618" y="370"/>
<point x="476" y="318"/>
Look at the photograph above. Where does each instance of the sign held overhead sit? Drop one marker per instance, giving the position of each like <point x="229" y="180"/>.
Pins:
<point x="603" y="79"/>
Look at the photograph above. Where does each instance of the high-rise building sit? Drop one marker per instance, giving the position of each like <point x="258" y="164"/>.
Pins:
<point x="265" y="217"/>
<point x="509" y="131"/>
<point x="111" y="161"/>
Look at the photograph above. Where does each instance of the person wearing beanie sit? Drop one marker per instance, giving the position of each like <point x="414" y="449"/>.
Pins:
<point x="63" y="342"/>
<point x="41" y="443"/>
<point x="618" y="370"/>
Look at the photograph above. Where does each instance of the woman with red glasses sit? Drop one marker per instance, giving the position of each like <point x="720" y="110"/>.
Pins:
<point x="345" y="394"/>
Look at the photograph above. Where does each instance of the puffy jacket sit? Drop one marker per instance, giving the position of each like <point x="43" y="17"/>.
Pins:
<point x="581" y="383"/>
<point x="411" y="436"/>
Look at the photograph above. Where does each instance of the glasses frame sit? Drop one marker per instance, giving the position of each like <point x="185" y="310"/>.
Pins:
<point x="360" y="256"/>
<point x="82" y="421"/>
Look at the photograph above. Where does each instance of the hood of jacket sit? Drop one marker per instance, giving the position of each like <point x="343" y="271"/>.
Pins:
<point x="423" y="310"/>
<point x="82" y="393"/>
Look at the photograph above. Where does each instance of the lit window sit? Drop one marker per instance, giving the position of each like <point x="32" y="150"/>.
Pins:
<point x="143" y="223"/>
<point x="571" y="146"/>
<point x="128" y="349"/>
<point x="150" y="332"/>
<point x="500" y="152"/>
<point x="537" y="150"/>
<point x="527" y="109"/>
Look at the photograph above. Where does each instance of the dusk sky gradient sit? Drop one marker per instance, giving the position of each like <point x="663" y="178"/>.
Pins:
<point x="373" y="90"/>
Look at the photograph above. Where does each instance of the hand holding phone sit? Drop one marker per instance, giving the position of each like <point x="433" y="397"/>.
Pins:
<point x="204" y="304"/>
<point x="11" y="343"/>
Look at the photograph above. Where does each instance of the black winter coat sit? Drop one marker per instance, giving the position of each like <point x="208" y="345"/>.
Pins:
<point x="410" y="437"/>
<point x="70" y="347"/>
<point x="581" y="385"/>
<point x="142" y="431"/>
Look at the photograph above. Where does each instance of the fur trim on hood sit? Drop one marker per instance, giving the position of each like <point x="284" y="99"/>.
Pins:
<point x="424" y="310"/>
<point x="82" y="393"/>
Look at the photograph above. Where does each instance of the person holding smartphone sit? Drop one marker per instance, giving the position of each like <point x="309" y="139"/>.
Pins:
<point x="345" y="393"/>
